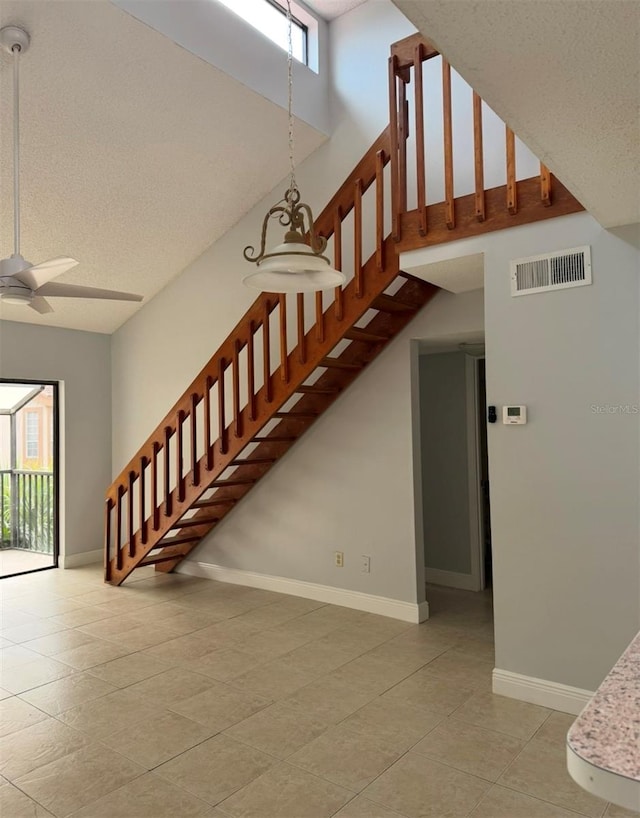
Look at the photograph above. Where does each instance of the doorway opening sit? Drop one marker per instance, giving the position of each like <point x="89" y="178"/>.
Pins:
<point x="28" y="476"/>
<point x="452" y="503"/>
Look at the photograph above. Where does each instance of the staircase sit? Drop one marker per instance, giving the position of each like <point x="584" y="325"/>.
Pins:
<point x="289" y="358"/>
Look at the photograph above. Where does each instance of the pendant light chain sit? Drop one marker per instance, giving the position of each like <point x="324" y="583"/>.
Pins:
<point x="292" y="176"/>
<point x="16" y="149"/>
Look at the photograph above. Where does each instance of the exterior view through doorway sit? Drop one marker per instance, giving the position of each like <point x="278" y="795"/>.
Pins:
<point x="29" y="486"/>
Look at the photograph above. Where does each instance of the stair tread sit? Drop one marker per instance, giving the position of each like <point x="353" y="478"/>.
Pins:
<point x="253" y="461"/>
<point x="175" y="541"/>
<point x="387" y="303"/>
<point x="160" y="558"/>
<point x="239" y="481"/>
<point x="189" y="523"/>
<point x="318" y="390"/>
<point x="295" y="415"/>
<point x="357" y="334"/>
<point x="274" y="439"/>
<point x="336" y="363"/>
<point x="212" y="502"/>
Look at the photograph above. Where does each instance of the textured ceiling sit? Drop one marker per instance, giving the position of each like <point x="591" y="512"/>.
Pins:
<point x="565" y="75"/>
<point x="136" y="155"/>
<point x="330" y="9"/>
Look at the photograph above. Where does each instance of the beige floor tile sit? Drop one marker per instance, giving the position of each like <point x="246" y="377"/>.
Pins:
<point x="304" y="629"/>
<point x="224" y="664"/>
<point x="286" y="792"/>
<point x="128" y="670"/>
<point x="462" y="670"/>
<point x="17" y="655"/>
<point x="345" y="758"/>
<point x="16" y="715"/>
<point x="274" y="680"/>
<point x="268" y="616"/>
<point x="270" y="644"/>
<point x="187" y="621"/>
<point x="421" y="788"/>
<point x="515" y="718"/>
<point x="33" y="674"/>
<point x="541" y="771"/>
<point x="50" y="607"/>
<point x="112" y="627"/>
<point x="82" y="616"/>
<point x="554" y="730"/>
<point x="614" y="811"/>
<point x="392" y="723"/>
<point x="483" y="753"/>
<point x="320" y="657"/>
<point x="15" y="804"/>
<point x="184" y="650"/>
<point x="104" y="716"/>
<point x="157" y="740"/>
<point x="477" y="648"/>
<point x="423" y="690"/>
<point x="35" y="746"/>
<point x="502" y="803"/>
<point x="57" y="642"/>
<point x="409" y="656"/>
<point x="31" y="630"/>
<point x="77" y="779"/>
<point x="216" y="769"/>
<point x="220" y="706"/>
<point x="95" y="653"/>
<point x="11" y="618"/>
<point x="63" y="694"/>
<point x="146" y="797"/>
<point x="4" y="694"/>
<point x="361" y="807"/>
<point x="367" y="672"/>
<point x="278" y="730"/>
<point x="171" y="686"/>
<point x="329" y="699"/>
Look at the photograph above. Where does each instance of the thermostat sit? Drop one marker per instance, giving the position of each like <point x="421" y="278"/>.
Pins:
<point x="514" y="414"/>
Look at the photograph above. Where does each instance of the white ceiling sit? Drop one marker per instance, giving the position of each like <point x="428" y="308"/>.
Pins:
<point x="565" y="75"/>
<point x="457" y="275"/>
<point x="330" y="9"/>
<point x="136" y="154"/>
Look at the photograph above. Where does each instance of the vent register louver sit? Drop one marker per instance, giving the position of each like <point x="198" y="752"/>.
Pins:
<point x="551" y="271"/>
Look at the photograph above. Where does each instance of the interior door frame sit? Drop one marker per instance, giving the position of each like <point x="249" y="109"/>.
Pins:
<point x="56" y="465"/>
<point x="476" y="517"/>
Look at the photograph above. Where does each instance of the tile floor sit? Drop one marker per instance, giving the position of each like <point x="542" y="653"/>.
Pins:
<point x="17" y="560"/>
<point x="174" y="697"/>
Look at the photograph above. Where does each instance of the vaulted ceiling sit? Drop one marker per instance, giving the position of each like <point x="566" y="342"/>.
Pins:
<point x="565" y="75"/>
<point x="136" y="154"/>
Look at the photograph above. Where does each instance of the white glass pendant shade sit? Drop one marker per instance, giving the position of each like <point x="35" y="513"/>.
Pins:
<point x="293" y="267"/>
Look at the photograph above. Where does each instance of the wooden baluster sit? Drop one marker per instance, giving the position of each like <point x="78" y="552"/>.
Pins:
<point x="235" y="372"/>
<point x="195" y="466"/>
<point x="142" y="501"/>
<point x="512" y="194"/>
<point x="545" y="185"/>
<point x="337" y="258"/>
<point x="207" y="422"/>
<point x="222" y="425"/>
<point x="284" y="360"/>
<point x="167" y="473"/>
<point x="403" y="135"/>
<point x="130" y="532"/>
<point x="357" y="237"/>
<point x="107" y="539"/>
<point x="478" y="157"/>
<point x="302" y="351"/>
<point x="180" y="457"/>
<point x="251" y="386"/>
<point x="393" y="127"/>
<point x="450" y="218"/>
<point x="119" y="527"/>
<point x="421" y="168"/>
<point x="319" y="318"/>
<point x="380" y="211"/>
<point x="266" y="353"/>
<point x="154" y="486"/>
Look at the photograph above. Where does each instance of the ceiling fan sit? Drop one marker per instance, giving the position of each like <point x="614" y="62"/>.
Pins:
<point x="22" y="282"/>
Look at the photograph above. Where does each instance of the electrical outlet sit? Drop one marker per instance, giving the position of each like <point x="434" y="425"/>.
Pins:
<point x="338" y="557"/>
<point x="365" y="564"/>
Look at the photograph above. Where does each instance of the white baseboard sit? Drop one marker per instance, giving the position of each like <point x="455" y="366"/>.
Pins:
<point x="394" y="608"/>
<point x="557" y="696"/>
<point x="452" y="579"/>
<point x="84" y="558"/>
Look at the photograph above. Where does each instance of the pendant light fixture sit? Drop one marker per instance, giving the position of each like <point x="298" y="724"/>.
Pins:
<point x="297" y="265"/>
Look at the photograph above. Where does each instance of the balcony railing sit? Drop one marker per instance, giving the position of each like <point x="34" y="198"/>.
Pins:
<point x="27" y="510"/>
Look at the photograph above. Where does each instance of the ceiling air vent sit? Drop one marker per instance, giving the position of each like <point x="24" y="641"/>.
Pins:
<point x="551" y="271"/>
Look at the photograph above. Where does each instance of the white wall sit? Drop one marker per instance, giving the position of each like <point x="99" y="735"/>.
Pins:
<point x="348" y="484"/>
<point x="564" y="488"/>
<point x="81" y="362"/>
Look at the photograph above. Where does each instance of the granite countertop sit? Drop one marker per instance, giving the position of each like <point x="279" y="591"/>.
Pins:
<point x="607" y="732"/>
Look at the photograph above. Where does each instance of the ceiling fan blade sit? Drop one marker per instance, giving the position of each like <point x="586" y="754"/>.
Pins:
<point x="40" y="304"/>
<point x="75" y="291"/>
<point x="39" y="274"/>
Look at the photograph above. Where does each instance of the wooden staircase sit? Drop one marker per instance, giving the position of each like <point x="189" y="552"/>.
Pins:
<point x="263" y="389"/>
